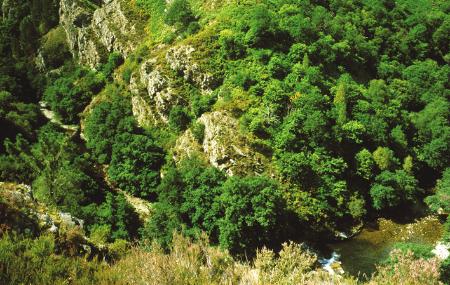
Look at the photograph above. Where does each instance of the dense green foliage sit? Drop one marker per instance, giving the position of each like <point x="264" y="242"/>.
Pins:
<point x="419" y="250"/>
<point x="107" y="120"/>
<point x="135" y="164"/>
<point x="70" y="93"/>
<point x="240" y="214"/>
<point x="440" y="201"/>
<point x="63" y="176"/>
<point x="349" y="99"/>
<point x="348" y="102"/>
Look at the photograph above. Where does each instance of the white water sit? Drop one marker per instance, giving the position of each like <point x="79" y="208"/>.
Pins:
<point x="327" y="264"/>
<point x="441" y="250"/>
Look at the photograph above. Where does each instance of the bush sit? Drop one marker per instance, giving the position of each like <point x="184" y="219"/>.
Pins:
<point x="179" y="13"/>
<point x="55" y="50"/>
<point x="126" y="75"/>
<point x="231" y="44"/>
<point x="28" y="261"/>
<point x="198" y="131"/>
<point x="407" y="269"/>
<point x="179" y="118"/>
<point x="115" y="59"/>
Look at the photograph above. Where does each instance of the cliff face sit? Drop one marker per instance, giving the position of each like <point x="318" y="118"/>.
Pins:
<point x="95" y="31"/>
<point x="154" y="87"/>
<point x="154" y="94"/>
<point x="222" y="145"/>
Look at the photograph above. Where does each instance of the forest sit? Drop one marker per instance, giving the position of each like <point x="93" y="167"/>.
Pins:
<point x="344" y="103"/>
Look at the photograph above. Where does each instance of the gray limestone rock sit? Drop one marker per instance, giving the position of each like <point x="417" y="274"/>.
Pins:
<point x="95" y="31"/>
<point x="223" y="146"/>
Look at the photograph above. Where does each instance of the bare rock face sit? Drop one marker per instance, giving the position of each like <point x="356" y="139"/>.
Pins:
<point x="153" y="95"/>
<point x="115" y="31"/>
<point x="93" y="31"/>
<point x="187" y="146"/>
<point x="143" y="112"/>
<point x="22" y="209"/>
<point x="154" y="91"/>
<point x="180" y="60"/>
<point x="223" y="146"/>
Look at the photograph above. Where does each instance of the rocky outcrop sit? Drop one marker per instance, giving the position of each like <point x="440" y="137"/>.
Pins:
<point x="95" y="31"/>
<point x="223" y="146"/>
<point x="153" y="95"/>
<point x="154" y="91"/>
<point x="187" y="146"/>
<point x="21" y="213"/>
<point x="20" y="210"/>
<point x="180" y="59"/>
<point x="143" y="112"/>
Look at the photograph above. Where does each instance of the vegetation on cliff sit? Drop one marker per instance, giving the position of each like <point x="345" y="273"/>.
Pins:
<point x="254" y="122"/>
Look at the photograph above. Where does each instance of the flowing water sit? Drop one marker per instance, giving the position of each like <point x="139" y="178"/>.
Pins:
<point x="360" y="254"/>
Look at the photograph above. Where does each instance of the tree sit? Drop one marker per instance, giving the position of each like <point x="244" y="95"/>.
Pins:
<point x="119" y="215"/>
<point x="365" y="164"/>
<point x="179" y="118"/>
<point x="433" y="134"/>
<point x="107" y="120"/>
<point x="69" y="94"/>
<point x="384" y="158"/>
<point x="135" y="164"/>
<point x="252" y="214"/>
<point x="392" y="189"/>
<point x="166" y="216"/>
<point x="179" y="14"/>
<point x="440" y="201"/>
<point x="201" y="192"/>
<point x="114" y="60"/>
<point x="259" y="24"/>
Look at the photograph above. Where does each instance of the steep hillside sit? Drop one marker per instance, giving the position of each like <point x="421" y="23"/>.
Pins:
<point x="253" y="122"/>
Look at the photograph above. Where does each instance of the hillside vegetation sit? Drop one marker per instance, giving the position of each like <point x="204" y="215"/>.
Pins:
<point x="252" y="122"/>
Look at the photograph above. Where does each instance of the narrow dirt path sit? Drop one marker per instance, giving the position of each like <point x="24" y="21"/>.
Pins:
<point x="51" y="116"/>
<point x="142" y="207"/>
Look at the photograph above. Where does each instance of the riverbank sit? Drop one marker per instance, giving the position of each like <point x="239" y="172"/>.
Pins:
<point x="360" y="254"/>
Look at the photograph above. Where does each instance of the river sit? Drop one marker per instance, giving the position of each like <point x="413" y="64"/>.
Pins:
<point x="360" y="254"/>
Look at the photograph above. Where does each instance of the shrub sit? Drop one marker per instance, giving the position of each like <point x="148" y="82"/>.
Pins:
<point x="407" y="270"/>
<point x="179" y="118"/>
<point x="198" y="131"/>
<point x="179" y="13"/>
<point x="28" y="261"/>
<point x="419" y="250"/>
<point x="126" y="75"/>
<point x="114" y="60"/>
<point x="445" y="271"/>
